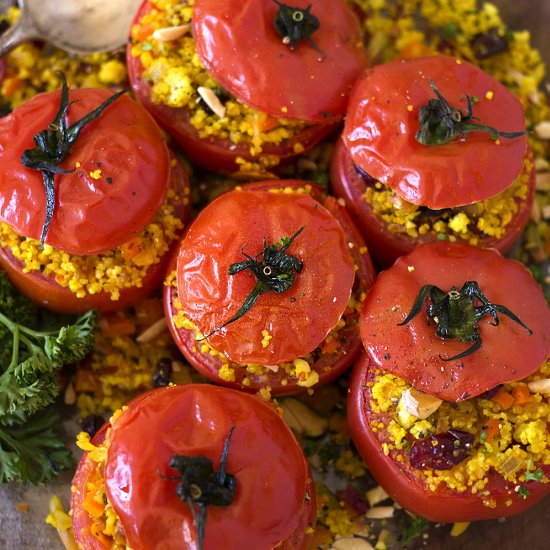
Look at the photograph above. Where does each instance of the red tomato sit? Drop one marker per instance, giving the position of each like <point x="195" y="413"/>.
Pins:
<point x="274" y="502"/>
<point x="237" y="42"/>
<point x="216" y="154"/>
<point x="47" y="292"/>
<point x="402" y="482"/>
<point x="91" y="215"/>
<point x="382" y="122"/>
<point x="385" y="245"/>
<point x="293" y="328"/>
<point x="414" y="352"/>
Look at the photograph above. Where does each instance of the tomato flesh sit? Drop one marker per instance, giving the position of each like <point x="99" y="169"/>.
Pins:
<point x="237" y="42"/>
<point x="405" y="485"/>
<point x="273" y="504"/>
<point x="415" y="353"/>
<point x="120" y="180"/>
<point x="385" y="245"/>
<point x="382" y="122"/>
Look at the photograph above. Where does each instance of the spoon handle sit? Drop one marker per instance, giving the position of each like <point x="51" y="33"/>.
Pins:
<point x="16" y="34"/>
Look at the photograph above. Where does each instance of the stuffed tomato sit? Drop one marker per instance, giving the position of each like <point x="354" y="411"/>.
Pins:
<point x="450" y="404"/>
<point x="88" y="215"/>
<point x="194" y="466"/>
<point x="434" y="149"/>
<point x="266" y="288"/>
<point x="242" y="85"/>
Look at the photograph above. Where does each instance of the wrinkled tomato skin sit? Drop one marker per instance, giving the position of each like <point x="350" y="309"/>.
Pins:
<point x="119" y="172"/>
<point x="386" y="246"/>
<point x="415" y="353"/>
<point x="328" y="365"/>
<point x="215" y="154"/>
<point x="212" y="410"/>
<point x="383" y="119"/>
<point x="48" y="293"/>
<point x="403" y="484"/>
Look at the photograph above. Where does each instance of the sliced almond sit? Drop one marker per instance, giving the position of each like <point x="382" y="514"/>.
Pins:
<point x="153" y="332"/>
<point x="380" y="512"/>
<point x="351" y="543"/>
<point x="542" y="181"/>
<point x="535" y="212"/>
<point x="546" y="212"/>
<point x="418" y="403"/>
<point x="70" y="394"/>
<point x="540" y="386"/>
<point x="542" y="129"/>
<point x="168" y="34"/>
<point x="376" y="495"/>
<point x="212" y="100"/>
<point x="302" y="420"/>
<point x="541" y="165"/>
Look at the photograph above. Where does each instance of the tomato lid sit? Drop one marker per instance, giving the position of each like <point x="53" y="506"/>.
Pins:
<point x="383" y="119"/>
<point x="194" y="420"/>
<point x="415" y="353"/>
<point x="237" y="42"/>
<point x="120" y="181"/>
<point x="290" y="324"/>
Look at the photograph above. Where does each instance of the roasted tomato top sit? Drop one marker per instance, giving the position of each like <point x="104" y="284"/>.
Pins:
<point x="272" y="475"/>
<point x="415" y="353"/>
<point x="383" y="120"/>
<point x="120" y="179"/>
<point x="295" y="321"/>
<point x="238" y="43"/>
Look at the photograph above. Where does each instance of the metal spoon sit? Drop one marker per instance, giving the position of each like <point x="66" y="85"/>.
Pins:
<point x="77" y="26"/>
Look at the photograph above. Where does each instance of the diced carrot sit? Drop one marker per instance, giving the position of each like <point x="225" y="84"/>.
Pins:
<point x="492" y="429"/>
<point x="11" y="85"/>
<point x="143" y="33"/>
<point x="94" y="508"/>
<point x="268" y="123"/>
<point x="503" y="399"/>
<point x="415" y="49"/>
<point x="521" y="395"/>
<point x="330" y="345"/>
<point x="95" y="530"/>
<point x="148" y="311"/>
<point x="131" y="248"/>
<point x="86" y="381"/>
<point x="321" y="537"/>
<point x="113" y="324"/>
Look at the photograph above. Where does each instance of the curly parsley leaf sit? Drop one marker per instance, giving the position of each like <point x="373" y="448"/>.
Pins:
<point x="32" y="452"/>
<point x="412" y="527"/>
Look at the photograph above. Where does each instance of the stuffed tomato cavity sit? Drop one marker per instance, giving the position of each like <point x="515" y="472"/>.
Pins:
<point x="449" y="405"/>
<point x="267" y="288"/>
<point x="190" y="65"/>
<point x="148" y="475"/>
<point x="106" y="220"/>
<point x="434" y="148"/>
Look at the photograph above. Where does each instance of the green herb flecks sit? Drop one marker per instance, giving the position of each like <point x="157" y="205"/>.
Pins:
<point x="200" y="485"/>
<point x="296" y="24"/>
<point x="53" y="145"/>
<point x="411" y="528"/>
<point x="440" y="123"/>
<point x="275" y="271"/>
<point x="536" y="475"/>
<point x="456" y="314"/>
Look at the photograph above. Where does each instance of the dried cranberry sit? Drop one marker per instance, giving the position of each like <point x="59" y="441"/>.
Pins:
<point x="92" y="423"/>
<point x="162" y="372"/>
<point x="485" y="45"/>
<point x="489" y="394"/>
<point x="441" y="451"/>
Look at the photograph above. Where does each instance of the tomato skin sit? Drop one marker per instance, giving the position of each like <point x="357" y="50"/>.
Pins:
<point x="296" y="84"/>
<point x="414" y="352"/>
<point x="380" y="132"/>
<point x="91" y="215"/>
<point x="214" y="154"/>
<point x="400" y="480"/>
<point x="272" y="474"/>
<point x="329" y="365"/>
<point x="47" y="292"/>
<point x="386" y="246"/>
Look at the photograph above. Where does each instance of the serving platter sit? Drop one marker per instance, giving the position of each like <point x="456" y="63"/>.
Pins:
<point x="22" y="511"/>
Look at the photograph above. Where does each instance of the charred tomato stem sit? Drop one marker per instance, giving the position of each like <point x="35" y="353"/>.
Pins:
<point x="440" y="123"/>
<point x="53" y="145"/>
<point x="457" y="314"/>
<point x="200" y="485"/>
<point x="275" y="272"/>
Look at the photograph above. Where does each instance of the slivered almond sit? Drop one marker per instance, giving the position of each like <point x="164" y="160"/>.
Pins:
<point x="540" y="386"/>
<point x="170" y="33"/>
<point x="380" y="512"/>
<point x="212" y="100"/>
<point x="70" y="394"/>
<point x="153" y="332"/>
<point x="542" y="129"/>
